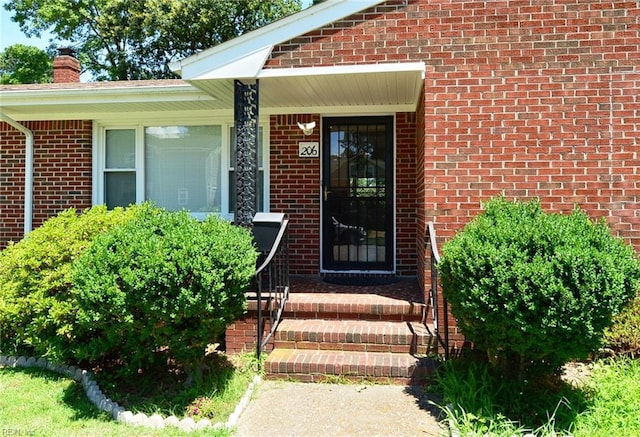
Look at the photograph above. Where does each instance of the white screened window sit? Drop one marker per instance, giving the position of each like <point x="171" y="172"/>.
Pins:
<point x="120" y="167"/>
<point x="176" y="167"/>
<point x="182" y="167"/>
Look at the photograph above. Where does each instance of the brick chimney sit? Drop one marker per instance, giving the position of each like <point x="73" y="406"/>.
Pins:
<point x="66" y="67"/>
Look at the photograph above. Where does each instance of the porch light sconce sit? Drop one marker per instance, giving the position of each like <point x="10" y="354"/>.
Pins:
<point x="307" y="128"/>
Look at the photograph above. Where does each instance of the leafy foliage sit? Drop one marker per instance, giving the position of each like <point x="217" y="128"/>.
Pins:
<point x="614" y="394"/>
<point x="36" y="307"/>
<point x="624" y="335"/>
<point x="162" y="281"/>
<point x="127" y="40"/>
<point x="25" y="64"/>
<point x="529" y="287"/>
<point x="480" y="401"/>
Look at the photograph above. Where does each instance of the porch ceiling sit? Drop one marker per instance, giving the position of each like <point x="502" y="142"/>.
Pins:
<point x="373" y="88"/>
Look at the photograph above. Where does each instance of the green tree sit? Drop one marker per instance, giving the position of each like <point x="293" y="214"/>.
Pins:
<point x="25" y="64"/>
<point x="137" y="39"/>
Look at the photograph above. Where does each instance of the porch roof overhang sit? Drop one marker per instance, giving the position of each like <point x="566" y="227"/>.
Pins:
<point x="124" y="100"/>
<point x="371" y="88"/>
<point x="335" y="89"/>
<point x="206" y="89"/>
<point x="375" y="87"/>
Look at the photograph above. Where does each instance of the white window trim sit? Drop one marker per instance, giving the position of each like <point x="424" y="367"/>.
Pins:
<point x="99" y="159"/>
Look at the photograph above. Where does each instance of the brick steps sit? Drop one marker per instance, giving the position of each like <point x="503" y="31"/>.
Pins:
<point x="352" y="306"/>
<point x="351" y="335"/>
<point x="320" y="365"/>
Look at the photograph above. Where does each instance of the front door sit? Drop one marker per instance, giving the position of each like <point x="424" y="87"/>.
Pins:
<point x="357" y="194"/>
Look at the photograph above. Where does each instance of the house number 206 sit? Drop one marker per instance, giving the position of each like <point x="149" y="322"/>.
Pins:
<point x="308" y="150"/>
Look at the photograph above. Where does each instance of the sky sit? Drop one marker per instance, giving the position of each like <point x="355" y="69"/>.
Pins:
<point x="10" y="34"/>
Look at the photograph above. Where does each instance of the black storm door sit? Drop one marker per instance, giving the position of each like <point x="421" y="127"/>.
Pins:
<point x="357" y="194"/>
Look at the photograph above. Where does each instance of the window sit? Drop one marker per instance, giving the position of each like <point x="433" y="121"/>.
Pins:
<point x="176" y="167"/>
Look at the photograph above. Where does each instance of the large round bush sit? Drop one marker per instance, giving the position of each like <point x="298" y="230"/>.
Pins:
<point x="530" y="287"/>
<point x="36" y="307"/>
<point x="163" y="282"/>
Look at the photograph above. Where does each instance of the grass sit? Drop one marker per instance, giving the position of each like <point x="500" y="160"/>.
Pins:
<point x="165" y="390"/>
<point x="481" y="403"/>
<point x="478" y="402"/>
<point x="615" y="394"/>
<point x="41" y="403"/>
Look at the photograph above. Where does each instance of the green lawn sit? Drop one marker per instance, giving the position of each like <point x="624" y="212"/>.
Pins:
<point x="42" y="403"/>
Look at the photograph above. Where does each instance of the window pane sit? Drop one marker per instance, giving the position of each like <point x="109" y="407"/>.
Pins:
<point x="120" y="148"/>
<point x="182" y="167"/>
<point x="120" y="188"/>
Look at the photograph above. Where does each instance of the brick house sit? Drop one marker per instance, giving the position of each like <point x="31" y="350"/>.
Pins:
<point x="422" y="108"/>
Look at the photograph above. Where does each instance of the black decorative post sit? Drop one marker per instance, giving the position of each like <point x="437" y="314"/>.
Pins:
<point x="246" y="165"/>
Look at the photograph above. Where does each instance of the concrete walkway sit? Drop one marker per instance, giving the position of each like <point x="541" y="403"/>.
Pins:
<point x="281" y="408"/>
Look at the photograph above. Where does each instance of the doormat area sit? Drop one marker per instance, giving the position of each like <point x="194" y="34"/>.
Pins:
<point x="362" y="281"/>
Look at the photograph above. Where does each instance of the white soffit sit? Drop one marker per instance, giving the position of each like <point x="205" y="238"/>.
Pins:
<point x="378" y="87"/>
<point x="387" y="87"/>
<point x="362" y="88"/>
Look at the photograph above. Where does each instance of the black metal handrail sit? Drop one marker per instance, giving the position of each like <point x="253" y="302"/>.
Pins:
<point x="273" y="274"/>
<point x="433" y="292"/>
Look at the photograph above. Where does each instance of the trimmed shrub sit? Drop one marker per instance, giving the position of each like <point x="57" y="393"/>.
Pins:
<point x="36" y="308"/>
<point x="163" y="282"/>
<point x="529" y="287"/>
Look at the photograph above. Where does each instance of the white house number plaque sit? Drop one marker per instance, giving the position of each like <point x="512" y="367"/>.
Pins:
<point x="309" y="150"/>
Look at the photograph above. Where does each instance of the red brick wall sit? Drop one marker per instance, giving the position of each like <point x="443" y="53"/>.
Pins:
<point x="62" y="172"/>
<point x="533" y="99"/>
<point x="406" y="199"/>
<point x="525" y="98"/>
<point x="295" y="189"/>
<point x="422" y="268"/>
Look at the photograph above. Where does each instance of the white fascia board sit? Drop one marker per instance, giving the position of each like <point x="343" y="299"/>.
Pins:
<point x="187" y="92"/>
<point x="266" y="37"/>
<point x="339" y="110"/>
<point x="246" y="67"/>
<point x="127" y="118"/>
<point x="343" y="70"/>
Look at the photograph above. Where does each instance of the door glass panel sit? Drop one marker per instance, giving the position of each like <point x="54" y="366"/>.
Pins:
<point x="358" y="223"/>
